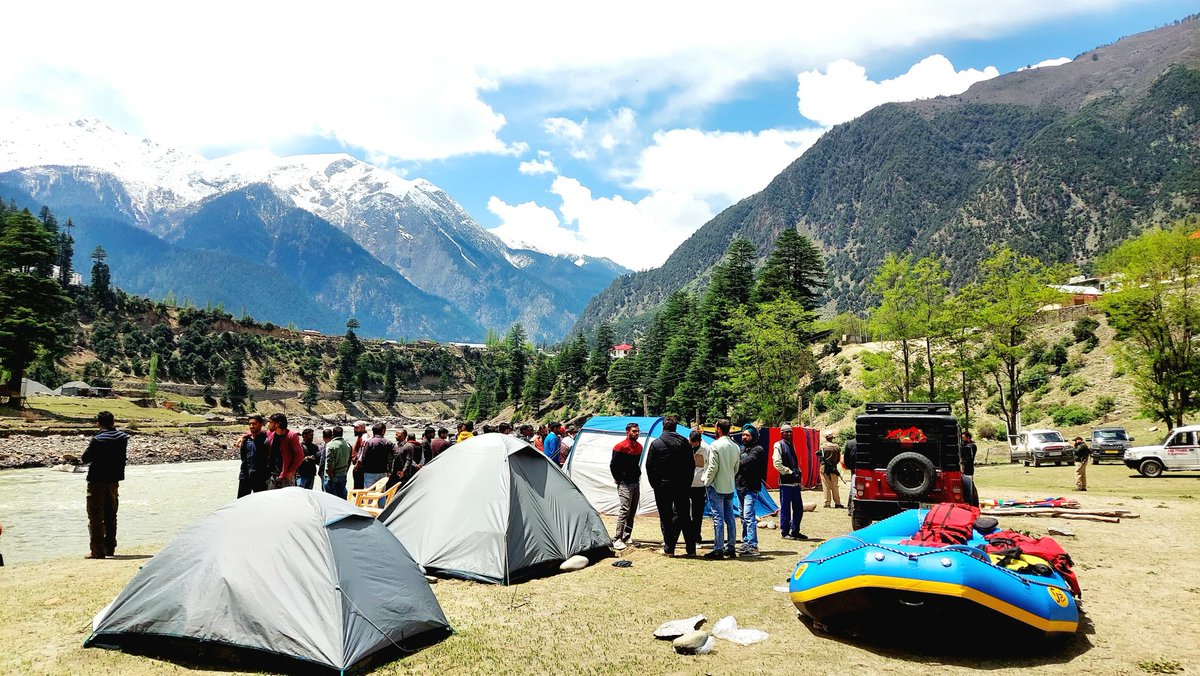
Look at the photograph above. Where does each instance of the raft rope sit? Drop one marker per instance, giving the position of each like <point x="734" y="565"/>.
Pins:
<point x="913" y="556"/>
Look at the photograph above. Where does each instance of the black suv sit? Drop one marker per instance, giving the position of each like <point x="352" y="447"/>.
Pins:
<point x="1110" y="443"/>
<point x="905" y="455"/>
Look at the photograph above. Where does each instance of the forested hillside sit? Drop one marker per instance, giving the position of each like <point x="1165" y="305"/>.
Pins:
<point x="1062" y="163"/>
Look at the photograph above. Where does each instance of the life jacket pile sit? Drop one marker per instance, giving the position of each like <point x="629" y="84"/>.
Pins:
<point x="954" y="523"/>
<point x="1010" y="548"/>
<point x="947" y="523"/>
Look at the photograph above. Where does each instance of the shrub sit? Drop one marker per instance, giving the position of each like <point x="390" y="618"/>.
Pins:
<point x="1031" y="414"/>
<point x="1055" y="356"/>
<point x="1073" y="385"/>
<point x="1070" y="367"/>
<point x="1085" y="329"/>
<point x="1069" y="415"/>
<point x="1105" y="404"/>
<point x="1034" y="377"/>
<point x="1090" y="344"/>
<point x="986" y="430"/>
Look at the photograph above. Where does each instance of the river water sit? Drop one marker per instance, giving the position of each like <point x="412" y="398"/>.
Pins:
<point x="44" y="516"/>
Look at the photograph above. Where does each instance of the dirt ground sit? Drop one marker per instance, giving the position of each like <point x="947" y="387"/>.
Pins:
<point x="1140" y="578"/>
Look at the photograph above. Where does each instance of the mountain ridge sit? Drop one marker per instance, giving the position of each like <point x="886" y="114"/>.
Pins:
<point x="1063" y="176"/>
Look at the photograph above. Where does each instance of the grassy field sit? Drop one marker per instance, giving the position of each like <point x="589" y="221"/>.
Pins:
<point x="1140" y="578"/>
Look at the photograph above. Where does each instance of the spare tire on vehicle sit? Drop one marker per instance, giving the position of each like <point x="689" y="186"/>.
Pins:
<point x="911" y="474"/>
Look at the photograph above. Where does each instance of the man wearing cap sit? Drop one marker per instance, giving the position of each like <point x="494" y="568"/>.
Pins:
<point x="751" y="472"/>
<point x="830" y="455"/>
<point x="791" y="502"/>
<point x="360" y="430"/>
<point x="1082" y="455"/>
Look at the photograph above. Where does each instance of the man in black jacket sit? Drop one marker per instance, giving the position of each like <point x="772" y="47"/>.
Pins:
<point x="252" y="476"/>
<point x="751" y="473"/>
<point x="105" y="456"/>
<point x="670" y="466"/>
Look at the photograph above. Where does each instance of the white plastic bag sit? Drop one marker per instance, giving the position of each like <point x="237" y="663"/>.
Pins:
<point x="709" y="644"/>
<point x="727" y="628"/>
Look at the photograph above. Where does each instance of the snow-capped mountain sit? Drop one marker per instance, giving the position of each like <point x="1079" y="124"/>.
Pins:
<point x="412" y="226"/>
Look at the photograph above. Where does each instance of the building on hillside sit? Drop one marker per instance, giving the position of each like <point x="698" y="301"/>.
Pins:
<point x="473" y="346"/>
<point x="78" y="388"/>
<point x="621" y="351"/>
<point x="1079" y="294"/>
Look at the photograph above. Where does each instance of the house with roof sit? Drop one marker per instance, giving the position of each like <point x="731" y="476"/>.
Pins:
<point x="620" y="351"/>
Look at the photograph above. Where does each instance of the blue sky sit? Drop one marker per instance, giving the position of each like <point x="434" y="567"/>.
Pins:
<point x="615" y="130"/>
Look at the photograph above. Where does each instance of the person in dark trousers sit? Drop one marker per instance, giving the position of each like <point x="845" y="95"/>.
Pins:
<point x="360" y="438"/>
<point x="377" y="453"/>
<point x="627" y="473"/>
<point x="966" y="454"/>
<point x="791" y="502"/>
<point x="426" y="444"/>
<point x="105" y="456"/>
<point x="403" y="462"/>
<point x="306" y="474"/>
<point x="670" y="467"/>
<point x="751" y="473"/>
<point x="286" y="454"/>
<point x="697" y="494"/>
<point x="252" y="477"/>
<point x="337" y="463"/>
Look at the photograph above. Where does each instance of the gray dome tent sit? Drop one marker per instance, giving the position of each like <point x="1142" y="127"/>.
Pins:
<point x="287" y="580"/>
<point x="494" y="509"/>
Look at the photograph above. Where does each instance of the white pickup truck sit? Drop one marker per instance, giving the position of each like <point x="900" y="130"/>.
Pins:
<point x="1180" y="452"/>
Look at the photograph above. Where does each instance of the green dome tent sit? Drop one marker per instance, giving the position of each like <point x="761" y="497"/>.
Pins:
<point x="494" y="509"/>
<point x="286" y="580"/>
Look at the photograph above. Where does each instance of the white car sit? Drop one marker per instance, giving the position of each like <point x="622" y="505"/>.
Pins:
<point x="1179" y="452"/>
<point x="1038" y="446"/>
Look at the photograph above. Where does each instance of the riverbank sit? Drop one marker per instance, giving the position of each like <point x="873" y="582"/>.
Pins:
<point x="24" y="451"/>
<point x="1138" y="576"/>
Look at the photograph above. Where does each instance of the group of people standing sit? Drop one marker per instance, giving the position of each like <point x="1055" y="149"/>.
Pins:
<point x="277" y="457"/>
<point x="726" y="477"/>
<point x="273" y="456"/>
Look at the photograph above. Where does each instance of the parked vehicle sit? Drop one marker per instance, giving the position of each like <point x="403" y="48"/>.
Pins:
<point x="1109" y="443"/>
<point x="906" y="455"/>
<point x="1035" y="447"/>
<point x="1179" y="452"/>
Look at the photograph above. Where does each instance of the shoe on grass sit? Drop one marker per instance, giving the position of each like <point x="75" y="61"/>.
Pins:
<point x="715" y="555"/>
<point x="618" y="545"/>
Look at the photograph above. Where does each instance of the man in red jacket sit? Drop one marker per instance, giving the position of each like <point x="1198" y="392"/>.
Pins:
<point x="285" y="454"/>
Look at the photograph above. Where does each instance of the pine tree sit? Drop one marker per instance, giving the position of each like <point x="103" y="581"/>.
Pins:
<point x="795" y="269"/>
<point x="389" y="379"/>
<point x="235" y="384"/>
<point x="101" y="287"/>
<point x="623" y="381"/>
<point x="518" y="361"/>
<point x="32" y="304"/>
<point x="601" y="357"/>
<point x="267" y="375"/>
<point x="348" y="353"/>
<point x="66" y="251"/>
<point x="310" y="372"/>
<point x="152" y="377"/>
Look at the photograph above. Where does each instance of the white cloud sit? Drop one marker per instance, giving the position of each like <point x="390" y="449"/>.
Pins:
<point x="535" y="167"/>
<point x="1048" y="63"/>
<point x="638" y="235"/>
<point x="531" y="226"/>
<point x="844" y="92"/>
<point x="584" y="139"/>
<point x="719" y="167"/>
<point x="383" y="77"/>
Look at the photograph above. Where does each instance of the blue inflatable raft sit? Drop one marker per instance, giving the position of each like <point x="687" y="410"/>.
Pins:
<point x="867" y="581"/>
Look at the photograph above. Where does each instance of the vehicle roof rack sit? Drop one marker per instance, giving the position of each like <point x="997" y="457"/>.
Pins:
<point x="937" y="408"/>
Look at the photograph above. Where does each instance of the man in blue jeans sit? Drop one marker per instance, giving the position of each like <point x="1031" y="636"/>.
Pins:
<point x="719" y="471"/>
<point x="751" y="472"/>
<point x="337" y="463"/>
<point x="791" y="503"/>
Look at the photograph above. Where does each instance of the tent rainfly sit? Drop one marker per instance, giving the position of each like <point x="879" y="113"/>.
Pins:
<point x="588" y="464"/>
<point x="285" y="581"/>
<point x="494" y="509"/>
